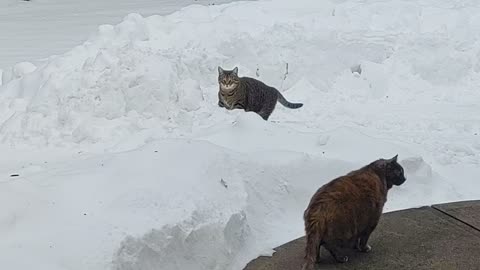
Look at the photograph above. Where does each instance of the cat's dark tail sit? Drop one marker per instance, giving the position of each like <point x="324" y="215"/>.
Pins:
<point x="288" y="104"/>
<point x="314" y="233"/>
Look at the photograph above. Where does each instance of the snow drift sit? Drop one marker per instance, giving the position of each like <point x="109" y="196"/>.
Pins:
<point x="166" y="179"/>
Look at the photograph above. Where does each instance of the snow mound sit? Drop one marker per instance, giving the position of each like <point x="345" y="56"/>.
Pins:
<point x="218" y="212"/>
<point x="174" y="248"/>
<point x="17" y="71"/>
<point x="160" y="72"/>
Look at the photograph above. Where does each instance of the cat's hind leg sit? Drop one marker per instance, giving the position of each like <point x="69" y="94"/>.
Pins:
<point x="364" y="235"/>
<point x="336" y="252"/>
<point x="264" y="115"/>
<point x="363" y="239"/>
<point x="319" y="248"/>
<point x="266" y="111"/>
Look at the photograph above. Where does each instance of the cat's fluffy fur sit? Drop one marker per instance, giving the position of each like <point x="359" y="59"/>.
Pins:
<point x="248" y="94"/>
<point x="344" y="212"/>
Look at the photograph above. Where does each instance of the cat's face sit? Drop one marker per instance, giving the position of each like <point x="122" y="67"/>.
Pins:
<point x="228" y="79"/>
<point x="394" y="172"/>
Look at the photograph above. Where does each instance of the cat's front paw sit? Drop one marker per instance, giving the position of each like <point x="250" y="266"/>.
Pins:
<point x="341" y="259"/>
<point x="366" y="248"/>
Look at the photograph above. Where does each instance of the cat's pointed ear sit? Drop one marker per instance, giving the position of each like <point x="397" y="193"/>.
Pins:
<point x="220" y="70"/>
<point x="235" y="70"/>
<point x="394" y="159"/>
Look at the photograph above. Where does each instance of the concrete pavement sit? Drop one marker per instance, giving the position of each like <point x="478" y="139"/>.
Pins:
<point x="440" y="237"/>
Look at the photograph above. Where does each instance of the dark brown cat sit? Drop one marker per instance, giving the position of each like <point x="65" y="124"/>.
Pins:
<point x="248" y="94"/>
<point x="344" y="212"/>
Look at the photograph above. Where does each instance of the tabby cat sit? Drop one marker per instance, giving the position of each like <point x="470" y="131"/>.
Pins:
<point x="249" y="94"/>
<point x="344" y="212"/>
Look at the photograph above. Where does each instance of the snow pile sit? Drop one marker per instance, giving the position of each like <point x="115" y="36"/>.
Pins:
<point x="16" y="72"/>
<point x="183" y="204"/>
<point x="34" y="30"/>
<point x="160" y="72"/>
<point x="164" y="178"/>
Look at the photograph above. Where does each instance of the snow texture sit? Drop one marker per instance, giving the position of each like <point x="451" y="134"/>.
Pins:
<point x="37" y="29"/>
<point x="125" y="161"/>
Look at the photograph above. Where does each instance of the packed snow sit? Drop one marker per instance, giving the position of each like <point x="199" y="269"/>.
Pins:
<point x="34" y="30"/>
<point x="116" y="155"/>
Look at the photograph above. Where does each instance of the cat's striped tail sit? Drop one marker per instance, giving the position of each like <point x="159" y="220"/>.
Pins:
<point x="286" y="103"/>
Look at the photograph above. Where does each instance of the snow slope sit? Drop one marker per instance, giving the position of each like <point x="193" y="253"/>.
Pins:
<point x="126" y="162"/>
<point x="36" y="29"/>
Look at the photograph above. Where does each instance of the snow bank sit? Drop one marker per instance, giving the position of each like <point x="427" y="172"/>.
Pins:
<point x="183" y="184"/>
<point x="159" y="72"/>
<point x="183" y="204"/>
<point x="30" y="30"/>
<point x="16" y="72"/>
